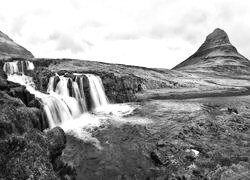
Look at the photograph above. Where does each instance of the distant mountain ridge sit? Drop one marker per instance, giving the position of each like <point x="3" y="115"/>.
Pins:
<point x="8" y="48"/>
<point x="216" y="53"/>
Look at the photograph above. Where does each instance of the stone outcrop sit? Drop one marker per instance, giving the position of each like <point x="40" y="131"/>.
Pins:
<point x="8" y="48"/>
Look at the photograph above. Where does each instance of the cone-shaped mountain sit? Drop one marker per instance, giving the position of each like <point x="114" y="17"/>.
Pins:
<point x="216" y="53"/>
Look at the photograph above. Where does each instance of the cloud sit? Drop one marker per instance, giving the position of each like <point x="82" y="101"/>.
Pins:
<point x="2" y="18"/>
<point x="154" y="33"/>
<point x="18" y="24"/>
<point x="67" y="42"/>
<point x="91" y="24"/>
<point x="163" y="31"/>
<point x="122" y="36"/>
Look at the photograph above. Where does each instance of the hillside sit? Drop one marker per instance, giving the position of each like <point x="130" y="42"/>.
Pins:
<point x="217" y="56"/>
<point x="8" y="48"/>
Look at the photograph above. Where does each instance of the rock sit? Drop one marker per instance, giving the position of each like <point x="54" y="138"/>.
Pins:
<point x="25" y="151"/>
<point x="3" y="80"/>
<point x="232" y="110"/>
<point x="24" y="157"/>
<point x="41" y="78"/>
<point x="122" y="89"/>
<point x="64" y="170"/>
<point x="159" y="158"/>
<point x="233" y="172"/>
<point x="21" y="118"/>
<point x="57" y="141"/>
<point x="56" y="80"/>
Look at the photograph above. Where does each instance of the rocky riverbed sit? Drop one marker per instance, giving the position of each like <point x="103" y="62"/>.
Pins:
<point x="206" y="138"/>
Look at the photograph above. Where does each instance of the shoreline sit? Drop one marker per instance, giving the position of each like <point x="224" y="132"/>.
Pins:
<point x="193" y="94"/>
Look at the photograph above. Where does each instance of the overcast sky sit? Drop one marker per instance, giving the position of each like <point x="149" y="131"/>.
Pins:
<point x="152" y="33"/>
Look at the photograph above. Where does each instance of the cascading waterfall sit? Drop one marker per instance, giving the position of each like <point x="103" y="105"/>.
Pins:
<point x="97" y="93"/>
<point x="57" y="107"/>
<point x="16" y="67"/>
<point x="80" y="97"/>
<point x="66" y="99"/>
<point x="11" y="67"/>
<point x="65" y="103"/>
<point x="56" y="111"/>
<point x="29" y="65"/>
<point x="69" y="90"/>
<point x="72" y="92"/>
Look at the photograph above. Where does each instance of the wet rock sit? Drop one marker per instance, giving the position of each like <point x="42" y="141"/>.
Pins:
<point x="57" y="141"/>
<point x="160" y="158"/>
<point x="21" y="93"/>
<point x="122" y="89"/>
<point x="69" y="75"/>
<point x="70" y="89"/>
<point x="56" y="80"/>
<point x="6" y="128"/>
<point x="21" y="118"/>
<point x="64" y="170"/>
<point x="41" y="77"/>
<point x="25" y="151"/>
<point x="3" y="80"/>
<point x="232" y="110"/>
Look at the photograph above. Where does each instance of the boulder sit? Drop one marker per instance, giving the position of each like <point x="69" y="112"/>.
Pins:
<point x="56" y="141"/>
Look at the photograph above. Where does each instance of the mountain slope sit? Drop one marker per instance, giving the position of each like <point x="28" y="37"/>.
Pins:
<point x="8" y="48"/>
<point x="216" y="54"/>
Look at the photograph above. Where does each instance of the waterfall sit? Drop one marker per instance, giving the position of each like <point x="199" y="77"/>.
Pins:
<point x="62" y="86"/>
<point x="29" y="65"/>
<point x="65" y="100"/>
<point x="56" y="111"/>
<point x="64" y="104"/>
<point x="80" y="97"/>
<point x="98" y="96"/>
<point x="68" y="89"/>
<point x="75" y="88"/>
<point x="11" y="67"/>
<point x="16" y="67"/>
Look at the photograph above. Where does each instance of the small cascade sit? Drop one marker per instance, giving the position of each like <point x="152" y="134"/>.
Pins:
<point x="97" y="92"/>
<point x="80" y="97"/>
<point x="62" y="86"/>
<point x="18" y="67"/>
<point x="11" y="67"/>
<point x="68" y="89"/>
<point x="29" y="65"/>
<point x="56" y="111"/>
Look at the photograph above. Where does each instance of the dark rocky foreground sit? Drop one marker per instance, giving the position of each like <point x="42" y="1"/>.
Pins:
<point x="25" y="151"/>
<point x="165" y="147"/>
